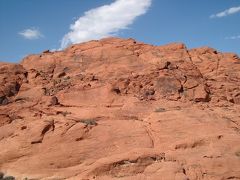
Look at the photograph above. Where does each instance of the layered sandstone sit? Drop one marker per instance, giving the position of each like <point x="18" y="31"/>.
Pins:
<point x="121" y="109"/>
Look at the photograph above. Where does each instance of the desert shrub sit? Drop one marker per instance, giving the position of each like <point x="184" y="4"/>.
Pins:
<point x="160" y="110"/>
<point x="91" y="122"/>
<point x="8" y="178"/>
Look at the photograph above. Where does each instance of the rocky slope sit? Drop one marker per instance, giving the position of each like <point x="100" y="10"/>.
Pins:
<point x="121" y="109"/>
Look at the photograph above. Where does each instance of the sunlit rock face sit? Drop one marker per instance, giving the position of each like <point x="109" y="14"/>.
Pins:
<point x="121" y="109"/>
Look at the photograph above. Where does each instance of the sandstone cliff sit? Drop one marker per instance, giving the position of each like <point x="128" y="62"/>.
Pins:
<point x="121" y="109"/>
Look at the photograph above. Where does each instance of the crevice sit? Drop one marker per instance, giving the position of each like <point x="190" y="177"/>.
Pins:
<point x="218" y="60"/>
<point x="150" y="136"/>
<point x="46" y="128"/>
<point x="233" y="177"/>
<point x="122" y="168"/>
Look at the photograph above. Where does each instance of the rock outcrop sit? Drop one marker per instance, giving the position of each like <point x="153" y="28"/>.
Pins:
<point x="121" y="109"/>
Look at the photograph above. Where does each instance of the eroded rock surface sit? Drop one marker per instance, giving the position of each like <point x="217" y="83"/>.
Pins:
<point x="121" y="109"/>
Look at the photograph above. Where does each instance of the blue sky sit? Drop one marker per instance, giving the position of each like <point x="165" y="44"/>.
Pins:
<point x="32" y="26"/>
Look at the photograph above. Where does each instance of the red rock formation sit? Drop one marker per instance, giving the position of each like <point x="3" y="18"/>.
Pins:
<point x="120" y="109"/>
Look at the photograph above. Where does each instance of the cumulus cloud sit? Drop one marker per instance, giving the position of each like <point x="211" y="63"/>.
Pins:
<point x="227" y="12"/>
<point x="233" y="37"/>
<point x="105" y="21"/>
<point x="31" y="34"/>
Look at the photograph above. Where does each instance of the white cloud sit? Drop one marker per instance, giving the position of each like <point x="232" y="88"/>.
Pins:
<point x="233" y="37"/>
<point x="105" y="21"/>
<point x="227" y="12"/>
<point x="31" y="33"/>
